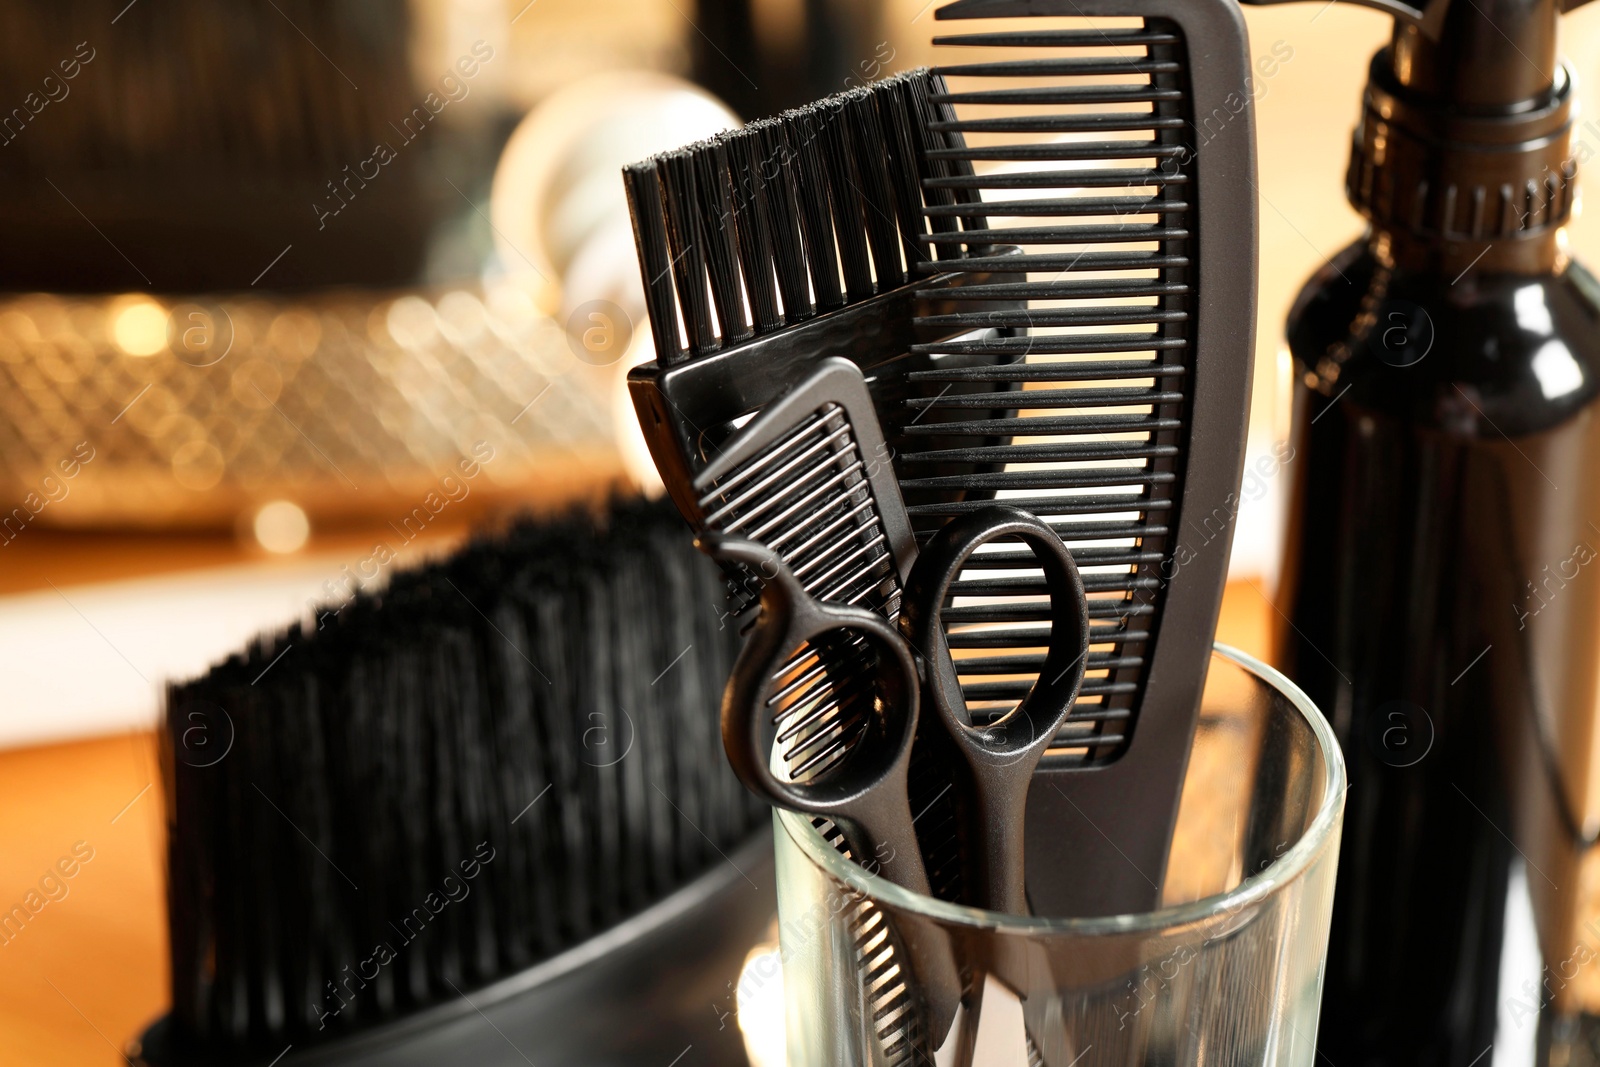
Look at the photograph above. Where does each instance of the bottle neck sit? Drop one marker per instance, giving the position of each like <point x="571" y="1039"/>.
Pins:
<point x="1481" y="58"/>
<point x="1531" y="254"/>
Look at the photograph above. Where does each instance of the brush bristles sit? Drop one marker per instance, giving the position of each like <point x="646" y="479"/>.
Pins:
<point x="497" y="757"/>
<point x="767" y="226"/>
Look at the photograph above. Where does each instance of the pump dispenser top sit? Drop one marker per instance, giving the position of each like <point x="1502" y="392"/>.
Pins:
<point x="1465" y="131"/>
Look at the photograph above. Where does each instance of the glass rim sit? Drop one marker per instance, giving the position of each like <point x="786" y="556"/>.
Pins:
<point x="1282" y="872"/>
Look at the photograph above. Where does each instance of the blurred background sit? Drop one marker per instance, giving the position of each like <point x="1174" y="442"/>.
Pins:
<point x="294" y="293"/>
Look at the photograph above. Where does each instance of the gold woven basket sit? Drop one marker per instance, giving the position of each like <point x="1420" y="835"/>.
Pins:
<point x="134" y="411"/>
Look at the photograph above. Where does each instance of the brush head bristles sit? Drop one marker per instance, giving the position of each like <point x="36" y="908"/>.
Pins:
<point x="495" y="758"/>
<point x="767" y="226"/>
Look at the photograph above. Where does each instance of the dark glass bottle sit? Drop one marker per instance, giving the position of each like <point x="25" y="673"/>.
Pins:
<point x="1441" y="589"/>
<point x="1442" y="594"/>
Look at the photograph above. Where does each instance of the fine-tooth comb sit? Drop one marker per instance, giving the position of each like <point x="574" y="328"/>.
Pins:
<point x="807" y="478"/>
<point x="804" y="478"/>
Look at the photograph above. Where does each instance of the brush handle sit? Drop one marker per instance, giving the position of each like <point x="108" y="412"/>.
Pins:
<point x="1000" y="758"/>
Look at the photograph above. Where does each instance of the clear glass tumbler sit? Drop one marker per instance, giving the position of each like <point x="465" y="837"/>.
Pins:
<point x="1227" y="972"/>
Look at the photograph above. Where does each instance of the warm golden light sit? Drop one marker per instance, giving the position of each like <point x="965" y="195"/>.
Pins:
<point x="282" y="527"/>
<point x="759" y="1002"/>
<point x="140" y="328"/>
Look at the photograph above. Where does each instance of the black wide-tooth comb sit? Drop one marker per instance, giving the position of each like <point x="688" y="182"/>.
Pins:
<point x="1130" y="341"/>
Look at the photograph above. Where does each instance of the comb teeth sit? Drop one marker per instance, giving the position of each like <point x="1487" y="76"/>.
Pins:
<point x="1084" y="154"/>
<point x="807" y="497"/>
<point x="814" y="210"/>
<point x="896" y="1020"/>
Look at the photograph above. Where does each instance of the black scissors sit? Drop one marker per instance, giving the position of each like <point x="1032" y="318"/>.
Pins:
<point x="864" y="793"/>
<point x="999" y="756"/>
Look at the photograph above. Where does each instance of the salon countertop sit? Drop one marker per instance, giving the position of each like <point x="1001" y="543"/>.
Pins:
<point x="91" y="969"/>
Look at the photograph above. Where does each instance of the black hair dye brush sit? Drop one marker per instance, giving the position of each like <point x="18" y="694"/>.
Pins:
<point x="784" y="243"/>
<point x="1045" y="270"/>
<point x="474" y="817"/>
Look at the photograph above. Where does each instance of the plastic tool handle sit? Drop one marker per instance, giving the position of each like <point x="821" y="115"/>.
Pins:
<point x="1000" y="757"/>
<point x="864" y="794"/>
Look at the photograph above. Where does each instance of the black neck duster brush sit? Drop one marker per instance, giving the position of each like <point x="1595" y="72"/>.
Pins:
<point x="482" y="811"/>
